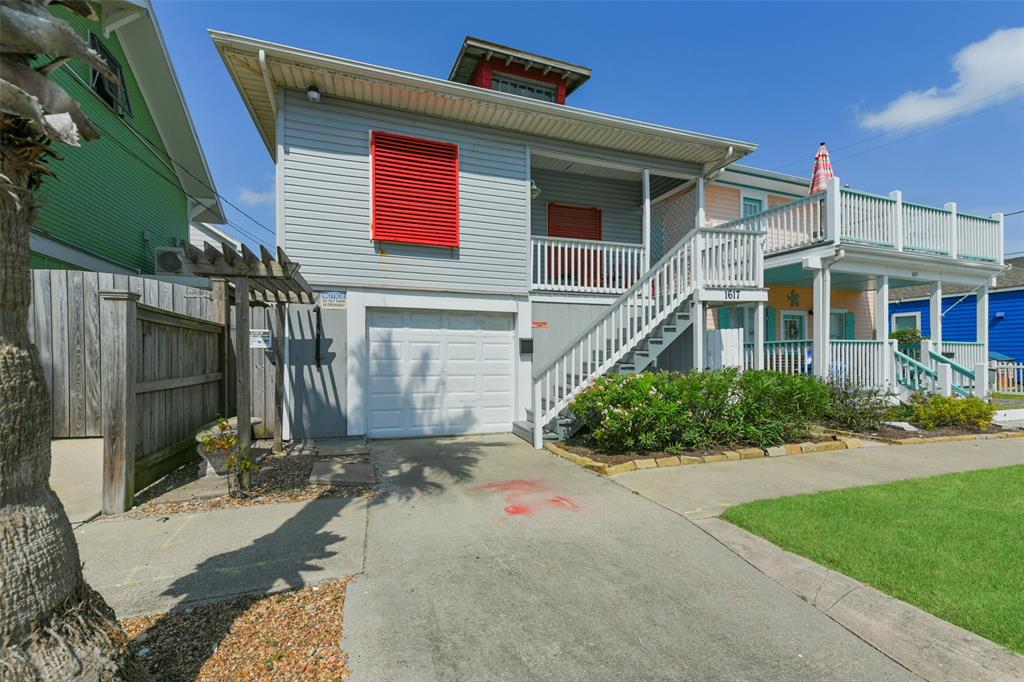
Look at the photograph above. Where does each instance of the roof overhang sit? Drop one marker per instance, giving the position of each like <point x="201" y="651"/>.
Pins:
<point x="289" y="67"/>
<point x="135" y="24"/>
<point x="474" y="51"/>
<point x="765" y="179"/>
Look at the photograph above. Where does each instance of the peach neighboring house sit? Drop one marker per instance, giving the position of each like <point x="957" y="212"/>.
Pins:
<point x="484" y="251"/>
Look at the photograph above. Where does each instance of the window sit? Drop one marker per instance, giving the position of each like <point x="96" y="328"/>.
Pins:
<point x="752" y="206"/>
<point x="906" y="321"/>
<point x="574" y="222"/>
<point x="415" y="190"/>
<point x="518" y="86"/>
<point x="794" y="325"/>
<point x="112" y="93"/>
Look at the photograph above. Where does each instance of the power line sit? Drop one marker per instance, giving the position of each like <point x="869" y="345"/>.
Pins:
<point x="916" y="124"/>
<point x="1014" y="213"/>
<point x="174" y="161"/>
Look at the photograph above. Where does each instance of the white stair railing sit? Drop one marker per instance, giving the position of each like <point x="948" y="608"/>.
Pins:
<point x="639" y="310"/>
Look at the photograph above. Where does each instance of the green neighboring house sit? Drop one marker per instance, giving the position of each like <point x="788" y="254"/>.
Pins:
<point x="115" y="201"/>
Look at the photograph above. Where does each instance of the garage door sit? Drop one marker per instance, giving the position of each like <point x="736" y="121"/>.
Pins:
<point x="438" y="372"/>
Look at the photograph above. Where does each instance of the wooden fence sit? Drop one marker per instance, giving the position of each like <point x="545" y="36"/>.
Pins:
<point x="64" y="323"/>
<point x="163" y="374"/>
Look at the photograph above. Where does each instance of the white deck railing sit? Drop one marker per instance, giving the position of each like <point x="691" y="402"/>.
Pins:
<point x="868" y="218"/>
<point x="860" y="362"/>
<point x="979" y="238"/>
<point x="584" y="266"/>
<point x="731" y="258"/>
<point x="855" y="217"/>
<point x="798" y="223"/>
<point x="967" y="354"/>
<point x="790" y="357"/>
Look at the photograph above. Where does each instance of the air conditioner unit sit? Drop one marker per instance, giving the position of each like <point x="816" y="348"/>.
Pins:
<point x="169" y="260"/>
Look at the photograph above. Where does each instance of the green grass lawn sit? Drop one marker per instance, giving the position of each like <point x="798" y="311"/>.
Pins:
<point x="952" y="545"/>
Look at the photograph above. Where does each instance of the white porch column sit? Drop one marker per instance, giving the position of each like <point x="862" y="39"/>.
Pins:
<point x="647" y="218"/>
<point x="759" y="335"/>
<point x="701" y="203"/>
<point x="833" y="212"/>
<point x="981" y="321"/>
<point x="935" y="314"/>
<point x="882" y="308"/>
<point x="954" y="237"/>
<point x="897" y="196"/>
<point x="820" y="327"/>
<point x="698" y="326"/>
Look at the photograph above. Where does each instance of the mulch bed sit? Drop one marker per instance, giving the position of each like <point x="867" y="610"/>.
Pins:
<point x="282" y="477"/>
<point x="289" y="636"/>
<point x="893" y="433"/>
<point x="583" y="444"/>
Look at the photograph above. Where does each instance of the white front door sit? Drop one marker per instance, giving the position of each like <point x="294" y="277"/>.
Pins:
<point x="435" y="372"/>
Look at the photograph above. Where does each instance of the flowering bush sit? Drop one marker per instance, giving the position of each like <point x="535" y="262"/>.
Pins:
<point x="935" y="411"/>
<point x="671" y="411"/>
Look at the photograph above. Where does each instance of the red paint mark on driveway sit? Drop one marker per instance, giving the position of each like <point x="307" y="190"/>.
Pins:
<point x="525" y="496"/>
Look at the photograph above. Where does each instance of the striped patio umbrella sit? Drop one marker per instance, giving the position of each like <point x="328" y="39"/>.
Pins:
<point x="822" y="170"/>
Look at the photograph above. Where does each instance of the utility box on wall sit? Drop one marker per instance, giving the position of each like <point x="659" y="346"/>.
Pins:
<point x="723" y="348"/>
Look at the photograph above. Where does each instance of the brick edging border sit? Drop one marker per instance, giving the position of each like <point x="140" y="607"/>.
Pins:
<point x="932" y="439"/>
<point x="841" y="443"/>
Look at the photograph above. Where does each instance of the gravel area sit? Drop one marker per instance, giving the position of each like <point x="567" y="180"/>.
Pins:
<point x="282" y="477"/>
<point x="289" y="636"/>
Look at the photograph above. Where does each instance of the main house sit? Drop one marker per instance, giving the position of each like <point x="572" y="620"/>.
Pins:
<point x="489" y="249"/>
<point x="116" y="203"/>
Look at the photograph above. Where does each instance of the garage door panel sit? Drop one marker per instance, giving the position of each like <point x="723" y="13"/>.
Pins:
<point x="437" y="372"/>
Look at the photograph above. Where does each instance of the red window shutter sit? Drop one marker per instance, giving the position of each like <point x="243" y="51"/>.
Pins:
<point x="574" y="222"/>
<point x="415" y="190"/>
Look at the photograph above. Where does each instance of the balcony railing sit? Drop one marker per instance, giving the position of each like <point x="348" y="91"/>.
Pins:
<point x="584" y="266"/>
<point x="855" y="217"/>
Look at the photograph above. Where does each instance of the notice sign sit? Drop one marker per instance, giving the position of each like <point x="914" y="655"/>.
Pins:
<point x="332" y="300"/>
<point x="540" y="324"/>
<point x="259" y="338"/>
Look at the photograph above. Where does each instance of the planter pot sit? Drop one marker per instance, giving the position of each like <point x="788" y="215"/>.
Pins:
<point x="217" y="459"/>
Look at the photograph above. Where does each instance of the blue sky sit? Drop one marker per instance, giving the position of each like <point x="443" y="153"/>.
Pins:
<point x="783" y="75"/>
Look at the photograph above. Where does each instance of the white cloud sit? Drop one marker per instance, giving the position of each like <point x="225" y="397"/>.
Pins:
<point x="985" y="70"/>
<point x="252" y="197"/>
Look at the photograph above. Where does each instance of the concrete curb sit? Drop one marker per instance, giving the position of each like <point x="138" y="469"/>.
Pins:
<point x="841" y="443"/>
<point x="923" y="643"/>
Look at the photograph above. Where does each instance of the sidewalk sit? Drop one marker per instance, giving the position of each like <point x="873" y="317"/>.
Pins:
<point x="699" y="492"/>
<point x="153" y="564"/>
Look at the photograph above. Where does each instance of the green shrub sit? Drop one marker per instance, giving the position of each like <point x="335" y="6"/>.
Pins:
<point x="671" y="411"/>
<point x="906" y="337"/>
<point x="853" y="408"/>
<point x="936" y="411"/>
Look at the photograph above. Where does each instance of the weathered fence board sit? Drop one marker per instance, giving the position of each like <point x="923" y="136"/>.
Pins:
<point x="66" y="328"/>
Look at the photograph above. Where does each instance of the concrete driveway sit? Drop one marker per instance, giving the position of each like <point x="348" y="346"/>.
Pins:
<point x="699" y="492"/>
<point x="488" y="560"/>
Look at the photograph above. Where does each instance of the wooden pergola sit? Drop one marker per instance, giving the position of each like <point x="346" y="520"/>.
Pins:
<point x="264" y="280"/>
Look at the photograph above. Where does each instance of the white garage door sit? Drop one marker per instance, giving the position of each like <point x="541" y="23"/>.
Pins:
<point x="438" y="372"/>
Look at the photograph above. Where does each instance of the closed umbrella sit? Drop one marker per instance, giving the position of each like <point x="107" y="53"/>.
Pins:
<point x="822" y="170"/>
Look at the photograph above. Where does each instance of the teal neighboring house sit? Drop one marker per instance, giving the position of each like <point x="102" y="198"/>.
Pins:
<point x="116" y="201"/>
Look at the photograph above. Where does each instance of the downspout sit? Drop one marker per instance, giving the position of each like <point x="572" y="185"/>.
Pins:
<point x="268" y="82"/>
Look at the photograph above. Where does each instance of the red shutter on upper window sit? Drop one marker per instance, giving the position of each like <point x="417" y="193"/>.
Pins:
<point x="415" y="190"/>
<point x="574" y="222"/>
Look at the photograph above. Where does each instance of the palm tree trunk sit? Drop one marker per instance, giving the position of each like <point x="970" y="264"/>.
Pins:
<point x="53" y="626"/>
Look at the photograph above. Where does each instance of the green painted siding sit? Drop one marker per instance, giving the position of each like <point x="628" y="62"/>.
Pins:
<point x="42" y="262"/>
<point x="104" y="200"/>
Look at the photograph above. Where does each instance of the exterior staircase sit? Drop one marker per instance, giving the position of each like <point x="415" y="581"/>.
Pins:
<point x="642" y="323"/>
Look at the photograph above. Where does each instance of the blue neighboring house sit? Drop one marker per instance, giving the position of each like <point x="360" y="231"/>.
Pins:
<point x="908" y="307"/>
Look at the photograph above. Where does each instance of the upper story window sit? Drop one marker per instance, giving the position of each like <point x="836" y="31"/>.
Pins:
<point x="752" y="206"/>
<point x="526" y="88"/>
<point x="113" y="93"/>
<point x="415" y="190"/>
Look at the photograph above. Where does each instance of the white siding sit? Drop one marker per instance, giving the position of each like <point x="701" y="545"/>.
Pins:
<point x="327" y="203"/>
<point x="619" y="201"/>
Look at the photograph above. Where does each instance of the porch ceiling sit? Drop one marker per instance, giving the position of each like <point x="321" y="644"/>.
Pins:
<point x="796" y="276"/>
<point x="582" y="168"/>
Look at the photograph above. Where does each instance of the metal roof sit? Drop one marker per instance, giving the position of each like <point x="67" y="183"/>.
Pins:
<point x="1011" y="278"/>
<point x="473" y="49"/>
<point x="290" y="67"/>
